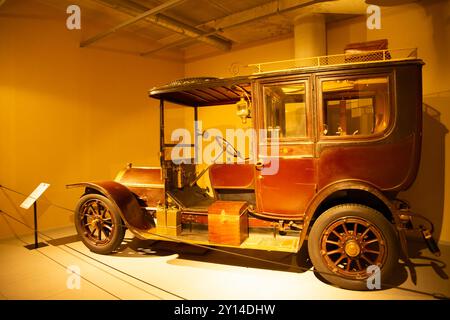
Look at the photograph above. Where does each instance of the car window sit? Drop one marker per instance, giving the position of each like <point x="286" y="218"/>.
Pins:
<point x="355" y="106"/>
<point x="285" y="110"/>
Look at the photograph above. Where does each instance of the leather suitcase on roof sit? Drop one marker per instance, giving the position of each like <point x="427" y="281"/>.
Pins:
<point x="228" y="222"/>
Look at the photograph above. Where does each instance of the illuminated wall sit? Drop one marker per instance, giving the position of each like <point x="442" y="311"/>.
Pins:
<point x="69" y="114"/>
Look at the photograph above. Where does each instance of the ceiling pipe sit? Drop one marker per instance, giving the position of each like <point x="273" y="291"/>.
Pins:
<point x="263" y="11"/>
<point x="244" y="17"/>
<point x="273" y="8"/>
<point x="165" y="6"/>
<point x="176" y="43"/>
<point x="191" y="32"/>
<point x="170" y="24"/>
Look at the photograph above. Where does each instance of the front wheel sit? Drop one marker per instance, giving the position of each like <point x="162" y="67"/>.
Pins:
<point x="98" y="222"/>
<point x="346" y="239"/>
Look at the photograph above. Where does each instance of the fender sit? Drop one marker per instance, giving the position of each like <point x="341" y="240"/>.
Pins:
<point x="130" y="211"/>
<point x="339" y="186"/>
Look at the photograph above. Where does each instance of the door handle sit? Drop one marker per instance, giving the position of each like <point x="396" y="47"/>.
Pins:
<point x="260" y="164"/>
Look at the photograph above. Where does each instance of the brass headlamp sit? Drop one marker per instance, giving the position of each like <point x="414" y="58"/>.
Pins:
<point x="243" y="109"/>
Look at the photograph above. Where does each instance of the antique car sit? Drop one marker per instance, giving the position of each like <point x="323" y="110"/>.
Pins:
<point x="335" y="145"/>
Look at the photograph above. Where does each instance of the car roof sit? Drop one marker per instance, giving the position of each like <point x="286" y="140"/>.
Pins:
<point x="209" y="91"/>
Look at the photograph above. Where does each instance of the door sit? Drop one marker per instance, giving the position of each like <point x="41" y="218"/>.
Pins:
<point x="286" y="170"/>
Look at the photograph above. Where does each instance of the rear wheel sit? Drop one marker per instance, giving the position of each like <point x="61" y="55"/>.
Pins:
<point x="345" y="240"/>
<point x="98" y="222"/>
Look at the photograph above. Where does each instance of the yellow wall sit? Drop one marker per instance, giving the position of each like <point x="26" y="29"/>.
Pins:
<point x="69" y="114"/>
<point x="223" y="65"/>
<point x="415" y="25"/>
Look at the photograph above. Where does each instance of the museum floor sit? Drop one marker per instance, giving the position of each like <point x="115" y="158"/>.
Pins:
<point x="144" y="270"/>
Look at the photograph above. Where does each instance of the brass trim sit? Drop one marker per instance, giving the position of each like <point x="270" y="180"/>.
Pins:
<point x="144" y="185"/>
<point x="120" y="175"/>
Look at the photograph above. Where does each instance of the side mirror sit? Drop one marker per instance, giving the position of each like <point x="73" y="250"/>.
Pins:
<point x="243" y="110"/>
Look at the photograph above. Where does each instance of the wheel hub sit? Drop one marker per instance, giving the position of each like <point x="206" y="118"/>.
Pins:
<point x="96" y="223"/>
<point x="352" y="248"/>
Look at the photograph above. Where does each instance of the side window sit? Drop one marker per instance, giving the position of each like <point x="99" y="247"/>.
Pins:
<point x="285" y="110"/>
<point x="355" y="106"/>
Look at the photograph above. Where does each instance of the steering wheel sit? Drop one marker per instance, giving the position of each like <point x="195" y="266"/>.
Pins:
<point x="228" y="147"/>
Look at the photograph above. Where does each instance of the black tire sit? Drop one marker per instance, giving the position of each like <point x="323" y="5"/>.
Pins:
<point x="333" y="252"/>
<point x="303" y="259"/>
<point x="95" y="212"/>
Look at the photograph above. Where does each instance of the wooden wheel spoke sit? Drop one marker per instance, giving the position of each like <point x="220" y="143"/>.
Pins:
<point x="358" y="264"/>
<point x="334" y="251"/>
<point x="345" y="228"/>
<point x="105" y="212"/>
<point x="94" y="206"/>
<point x="367" y="259"/>
<point x="88" y="211"/>
<point x="355" y="228"/>
<point x="372" y="251"/>
<point x="365" y="232"/>
<point x="371" y="241"/>
<point x="349" y="263"/>
<point x="337" y="234"/>
<point x="333" y="242"/>
<point x="107" y="227"/>
<point x="100" y="209"/>
<point x="340" y="259"/>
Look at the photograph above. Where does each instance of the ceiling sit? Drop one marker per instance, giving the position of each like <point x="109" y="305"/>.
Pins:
<point x="173" y="27"/>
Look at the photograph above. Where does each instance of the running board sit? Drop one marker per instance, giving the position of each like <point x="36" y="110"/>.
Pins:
<point x="258" y="239"/>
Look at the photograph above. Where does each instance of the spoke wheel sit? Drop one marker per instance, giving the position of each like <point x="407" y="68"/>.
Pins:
<point x="99" y="224"/>
<point x="346" y="239"/>
<point x="97" y="221"/>
<point x="350" y="245"/>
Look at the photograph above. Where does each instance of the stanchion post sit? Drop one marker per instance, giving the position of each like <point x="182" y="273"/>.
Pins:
<point x="36" y="244"/>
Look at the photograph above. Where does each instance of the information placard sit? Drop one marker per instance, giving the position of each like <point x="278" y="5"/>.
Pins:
<point x="28" y="202"/>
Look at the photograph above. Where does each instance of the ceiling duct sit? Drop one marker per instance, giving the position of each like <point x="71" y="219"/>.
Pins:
<point x="167" y="23"/>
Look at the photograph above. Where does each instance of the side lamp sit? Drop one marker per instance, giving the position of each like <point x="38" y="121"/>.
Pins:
<point x="243" y="110"/>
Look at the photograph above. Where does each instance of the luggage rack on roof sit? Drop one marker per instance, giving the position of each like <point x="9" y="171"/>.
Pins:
<point x="335" y="60"/>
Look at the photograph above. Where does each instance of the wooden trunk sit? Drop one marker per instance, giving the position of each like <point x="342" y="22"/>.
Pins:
<point x="227" y="222"/>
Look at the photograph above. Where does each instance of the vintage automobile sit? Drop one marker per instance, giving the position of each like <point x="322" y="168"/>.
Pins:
<point x="346" y="139"/>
